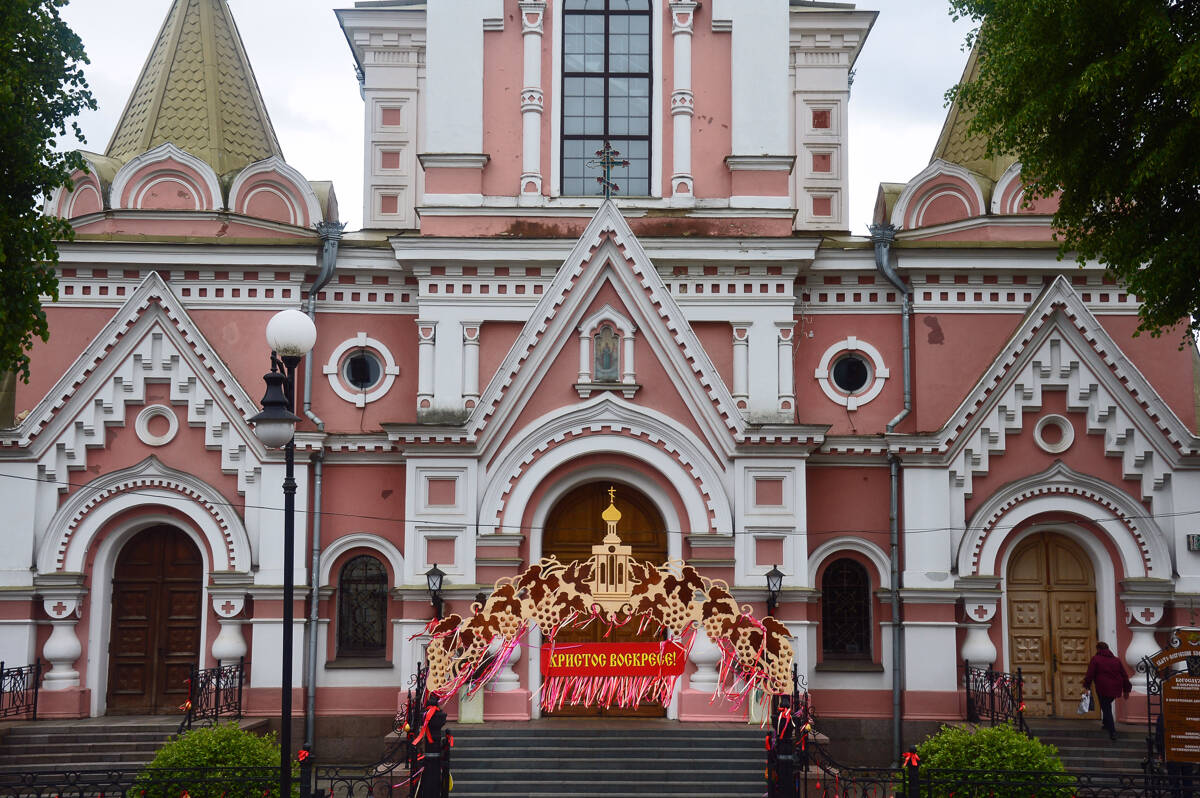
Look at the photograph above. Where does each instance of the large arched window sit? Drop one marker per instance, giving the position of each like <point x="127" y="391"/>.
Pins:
<point x="607" y="91"/>
<point x="362" y="608"/>
<point x="846" y="611"/>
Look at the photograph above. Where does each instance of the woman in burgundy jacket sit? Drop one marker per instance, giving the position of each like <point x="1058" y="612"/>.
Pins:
<point x="1111" y="681"/>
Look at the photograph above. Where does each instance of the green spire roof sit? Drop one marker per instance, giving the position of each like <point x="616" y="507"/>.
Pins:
<point x="957" y="146"/>
<point x="198" y="92"/>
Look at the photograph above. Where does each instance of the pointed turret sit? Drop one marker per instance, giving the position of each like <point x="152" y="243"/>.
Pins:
<point x="198" y="92"/>
<point x="955" y="145"/>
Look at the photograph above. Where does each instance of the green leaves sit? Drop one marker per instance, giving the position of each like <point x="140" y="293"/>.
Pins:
<point x="1100" y="100"/>
<point x="41" y="87"/>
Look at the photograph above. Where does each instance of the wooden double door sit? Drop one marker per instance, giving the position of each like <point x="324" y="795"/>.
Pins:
<point x="571" y="529"/>
<point x="1051" y="621"/>
<point x="155" y="634"/>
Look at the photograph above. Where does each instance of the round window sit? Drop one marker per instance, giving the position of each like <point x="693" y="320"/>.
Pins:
<point x="851" y="373"/>
<point x="362" y="370"/>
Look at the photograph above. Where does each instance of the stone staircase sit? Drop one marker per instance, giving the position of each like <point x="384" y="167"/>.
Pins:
<point x="89" y="744"/>
<point x="1085" y="748"/>
<point x="607" y="760"/>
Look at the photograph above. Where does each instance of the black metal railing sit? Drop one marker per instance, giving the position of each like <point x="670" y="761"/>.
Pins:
<point x="214" y="692"/>
<point x="19" y="690"/>
<point x="994" y="696"/>
<point x="143" y="783"/>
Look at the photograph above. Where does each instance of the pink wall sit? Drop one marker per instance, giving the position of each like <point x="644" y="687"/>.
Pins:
<point x="503" y="71"/>
<point x="71" y="330"/>
<point x="712" y="130"/>
<point x="717" y="339"/>
<point x="845" y="500"/>
<point x="1169" y="367"/>
<point x="363" y="498"/>
<point x="496" y="338"/>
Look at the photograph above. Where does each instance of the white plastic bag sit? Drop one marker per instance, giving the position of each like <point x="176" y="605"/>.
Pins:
<point x="1085" y="702"/>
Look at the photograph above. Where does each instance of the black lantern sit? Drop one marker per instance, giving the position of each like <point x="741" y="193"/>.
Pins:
<point x="276" y="424"/>
<point x="774" y="586"/>
<point x="433" y="582"/>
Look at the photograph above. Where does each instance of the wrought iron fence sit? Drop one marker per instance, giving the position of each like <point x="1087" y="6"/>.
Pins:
<point x="213" y="692"/>
<point x="19" y="690"/>
<point x="994" y="696"/>
<point x="144" y="783"/>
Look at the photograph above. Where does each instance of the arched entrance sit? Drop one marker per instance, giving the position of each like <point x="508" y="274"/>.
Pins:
<point x="155" y="635"/>
<point x="1051" y="621"/>
<point x="572" y="528"/>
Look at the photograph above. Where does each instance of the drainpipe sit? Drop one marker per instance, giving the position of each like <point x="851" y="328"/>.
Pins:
<point x="331" y="236"/>
<point x="882" y="236"/>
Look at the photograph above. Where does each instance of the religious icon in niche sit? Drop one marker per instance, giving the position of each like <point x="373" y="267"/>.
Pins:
<point x="605" y="368"/>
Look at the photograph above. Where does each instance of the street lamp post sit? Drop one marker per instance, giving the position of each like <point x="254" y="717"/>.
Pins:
<point x="291" y="335"/>
<point x="433" y="582"/>
<point x="774" y="588"/>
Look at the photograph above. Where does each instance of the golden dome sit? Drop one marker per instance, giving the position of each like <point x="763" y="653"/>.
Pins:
<point x="611" y="514"/>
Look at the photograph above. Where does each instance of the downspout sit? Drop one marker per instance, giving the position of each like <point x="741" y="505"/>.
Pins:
<point x="882" y="236"/>
<point x="331" y="236"/>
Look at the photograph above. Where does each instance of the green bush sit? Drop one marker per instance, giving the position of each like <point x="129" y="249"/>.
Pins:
<point x="220" y="761"/>
<point x="999" y="759"/>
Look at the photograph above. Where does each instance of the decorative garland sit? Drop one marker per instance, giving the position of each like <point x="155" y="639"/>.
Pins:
<point x="611" y="588"/>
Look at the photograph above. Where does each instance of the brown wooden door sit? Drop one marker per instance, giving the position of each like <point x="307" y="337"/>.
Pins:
<point x="155" y="635"/>
<point x="572" y="528"/>
<point x="1051" y="621"/>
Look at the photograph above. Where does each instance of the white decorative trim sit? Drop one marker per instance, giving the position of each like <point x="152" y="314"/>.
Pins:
<point x="453" y="160"/>
<point x="879" y="373"/>
<point x="142" y="425"/>
<point x="293" y="178"/>
<point x="609" y="249"/>
<point x="151" y="338"/>
<point x="1064" y="426"/>
<point x="833" y="548"/>
<point x="921" y="180"/>
<point x="147" y="483"/>
<point x="1011" y="175"/>
<point x="160" y="154"/>
<point x="760" y="163"/>
<point x="1139" y="540"/>
<point x="361" y="540"/>
<point x="333" y="370"/>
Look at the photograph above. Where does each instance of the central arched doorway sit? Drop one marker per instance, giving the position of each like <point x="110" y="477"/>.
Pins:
<point x="155" y="634"/>
<point x="573" y="526"/>
<point x="1051" y="621"/>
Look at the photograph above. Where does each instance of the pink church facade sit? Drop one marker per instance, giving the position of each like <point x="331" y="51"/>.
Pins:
<point x="939" y="433"/>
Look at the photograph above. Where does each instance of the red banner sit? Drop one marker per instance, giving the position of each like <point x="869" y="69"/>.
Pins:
<point x="613" y="659"/>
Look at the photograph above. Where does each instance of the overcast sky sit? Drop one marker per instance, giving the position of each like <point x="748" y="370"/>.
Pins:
<point x="306" y="72"/>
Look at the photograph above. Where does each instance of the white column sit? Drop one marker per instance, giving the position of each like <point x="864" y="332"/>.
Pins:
<point x="628" y="374"/>
<point x="506" y="679"/>
<point x="470" y="364"/>
<point x="533" y="13"/>
<point x="683" y="105"/>
<point x="787" y="386"/>
<point x="426" y="336"/>
<point x="741" y="364"/>
<point x="706" y="656"/>
<point x="62" y="648"/>
<point x="585" y="358"/>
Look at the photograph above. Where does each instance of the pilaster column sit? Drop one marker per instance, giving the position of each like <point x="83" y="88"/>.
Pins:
<point x="426" y="336"/>
<point x="741" y="364"/>
<point x="229" y="645"/>
<point x="628" y="374"/>
<point x="470" y="364"/>
<point x="62" y="648"/>
<point x="683" y="104"/>
<point x="787" y="386"/>
<point x="533" y="13"/>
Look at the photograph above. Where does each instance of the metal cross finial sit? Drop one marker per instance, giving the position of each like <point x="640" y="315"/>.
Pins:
<point x="606" y="159"/>
<point x="612" y="494"/>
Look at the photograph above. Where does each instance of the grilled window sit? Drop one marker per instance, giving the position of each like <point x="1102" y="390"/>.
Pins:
<point x="846" y="611"/>
<point x="606" y="93"/>
<point x="362" y="608"/>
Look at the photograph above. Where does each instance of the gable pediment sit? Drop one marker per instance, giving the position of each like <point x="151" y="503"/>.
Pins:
<point x="1061" y="345"/>
<point x="151" y="339"/>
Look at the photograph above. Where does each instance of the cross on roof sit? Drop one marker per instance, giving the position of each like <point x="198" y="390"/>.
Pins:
<point x="606" y="159"/>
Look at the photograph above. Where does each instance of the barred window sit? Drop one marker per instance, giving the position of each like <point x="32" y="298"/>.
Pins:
<point x="846" y="611"/>
<point x="607" y="92"/>
<point x="362" y="608"/>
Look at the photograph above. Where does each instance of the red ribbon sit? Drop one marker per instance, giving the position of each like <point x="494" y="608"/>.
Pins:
<point x="910" y="759"/>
